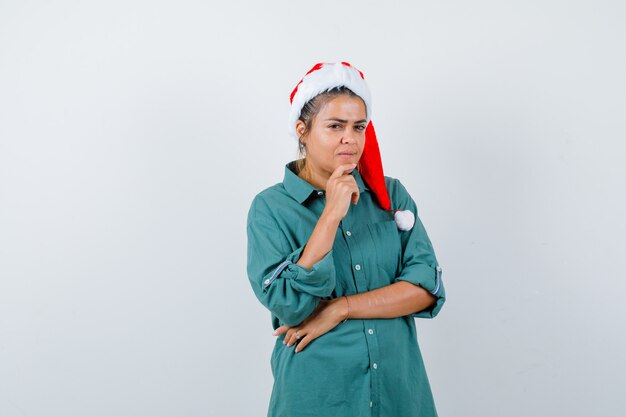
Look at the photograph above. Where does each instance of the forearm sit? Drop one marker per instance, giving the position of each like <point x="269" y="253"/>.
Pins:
<point x="320" y="242"/>
<point x="395" y="300"/>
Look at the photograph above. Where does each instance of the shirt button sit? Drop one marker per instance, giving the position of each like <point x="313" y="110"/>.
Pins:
<point x="370" y="331"/>
<point x="348" y="233"/>
<point x="375" y="366"/>
<point x="267" y="281"/>
<point x="320" y="193"/>
<point x="357" y="267"/>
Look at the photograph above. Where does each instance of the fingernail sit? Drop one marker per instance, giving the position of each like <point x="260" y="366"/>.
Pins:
<point x="284" y="343"/>
<point x="296" y="349"/>
<point x="275" y="332"/>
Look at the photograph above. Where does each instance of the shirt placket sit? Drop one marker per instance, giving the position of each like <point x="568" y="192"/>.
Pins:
<point x="354" y="240"/>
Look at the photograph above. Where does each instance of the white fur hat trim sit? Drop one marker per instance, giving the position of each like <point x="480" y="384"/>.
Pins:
<point x="323" y="79"/>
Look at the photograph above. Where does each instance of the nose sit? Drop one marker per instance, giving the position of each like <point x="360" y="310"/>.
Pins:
<point x="347" y="137"/>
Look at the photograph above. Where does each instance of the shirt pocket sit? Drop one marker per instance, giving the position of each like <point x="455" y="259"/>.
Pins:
<point x="388" y="251"/>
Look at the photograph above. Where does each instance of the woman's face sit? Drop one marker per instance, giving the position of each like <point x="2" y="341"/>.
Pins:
<point x="337" y="135"/>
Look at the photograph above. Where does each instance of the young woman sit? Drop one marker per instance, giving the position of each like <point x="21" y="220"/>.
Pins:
<point x="342" y="273"/>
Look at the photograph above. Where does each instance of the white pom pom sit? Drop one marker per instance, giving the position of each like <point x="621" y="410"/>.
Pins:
<point x="405" y="219"/>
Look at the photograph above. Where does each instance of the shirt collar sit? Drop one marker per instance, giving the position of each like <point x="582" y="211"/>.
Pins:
<point x="300" y="190"/>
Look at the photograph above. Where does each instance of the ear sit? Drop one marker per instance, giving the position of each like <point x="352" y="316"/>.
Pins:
<point x="300" y="127"/>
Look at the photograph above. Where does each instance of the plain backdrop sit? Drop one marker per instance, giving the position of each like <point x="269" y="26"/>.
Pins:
<point x="134" y="135"/>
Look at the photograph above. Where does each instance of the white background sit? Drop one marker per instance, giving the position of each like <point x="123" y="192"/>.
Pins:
<point x="134" y="135"/>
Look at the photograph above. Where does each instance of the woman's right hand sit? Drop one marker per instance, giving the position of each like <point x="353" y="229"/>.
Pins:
<point x="341" y="190"/>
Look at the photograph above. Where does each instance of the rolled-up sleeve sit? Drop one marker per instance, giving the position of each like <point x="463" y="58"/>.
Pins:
<point x="290" y="291"/>
<point x="419" y="263"/>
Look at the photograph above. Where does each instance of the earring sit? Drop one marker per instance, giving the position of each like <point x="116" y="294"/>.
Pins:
<point x="301" y="145"/>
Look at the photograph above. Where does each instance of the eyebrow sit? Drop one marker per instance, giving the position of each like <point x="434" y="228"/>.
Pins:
<point x="345" y="121"/>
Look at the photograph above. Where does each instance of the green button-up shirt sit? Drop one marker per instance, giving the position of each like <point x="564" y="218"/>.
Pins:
<point x="360" y="368"/>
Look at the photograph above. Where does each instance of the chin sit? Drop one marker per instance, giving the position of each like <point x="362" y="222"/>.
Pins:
<point x="343" y="161"/>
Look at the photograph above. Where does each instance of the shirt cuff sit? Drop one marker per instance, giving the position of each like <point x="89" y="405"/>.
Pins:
<point x="320" y="280"/>
<point x="428" y="278"/>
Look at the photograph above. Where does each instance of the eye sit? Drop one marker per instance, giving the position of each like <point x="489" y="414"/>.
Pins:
<point x="335" y="126"/>
<point x="360" y="128"/>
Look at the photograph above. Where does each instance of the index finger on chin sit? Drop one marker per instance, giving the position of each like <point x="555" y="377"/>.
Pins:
<point x="342" y="169"/>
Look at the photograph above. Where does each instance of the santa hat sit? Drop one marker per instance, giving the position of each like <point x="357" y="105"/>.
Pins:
<point x="325" y="76"/>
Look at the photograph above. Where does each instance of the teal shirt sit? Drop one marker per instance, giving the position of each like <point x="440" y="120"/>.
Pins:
<point x="361" y="367"/>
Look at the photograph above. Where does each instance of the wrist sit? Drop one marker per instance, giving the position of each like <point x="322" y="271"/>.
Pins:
<point x="342" y="305"/>
<point x="329" y="218"/>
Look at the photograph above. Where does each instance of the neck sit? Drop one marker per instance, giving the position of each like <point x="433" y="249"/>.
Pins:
<point x="315" y="178"/>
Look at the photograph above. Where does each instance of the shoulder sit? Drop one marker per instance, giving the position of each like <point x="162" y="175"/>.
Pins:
<point x="391" y="182"/>
<point x="264" y="203"/>
<point x="394" y="186"/>
<point x="399" y="195"/>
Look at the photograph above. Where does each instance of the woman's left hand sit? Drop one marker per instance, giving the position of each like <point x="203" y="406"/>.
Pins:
<point x="326" y="316"/>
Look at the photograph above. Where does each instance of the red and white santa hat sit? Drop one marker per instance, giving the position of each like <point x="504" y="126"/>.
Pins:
<point x="325" y="76"/>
